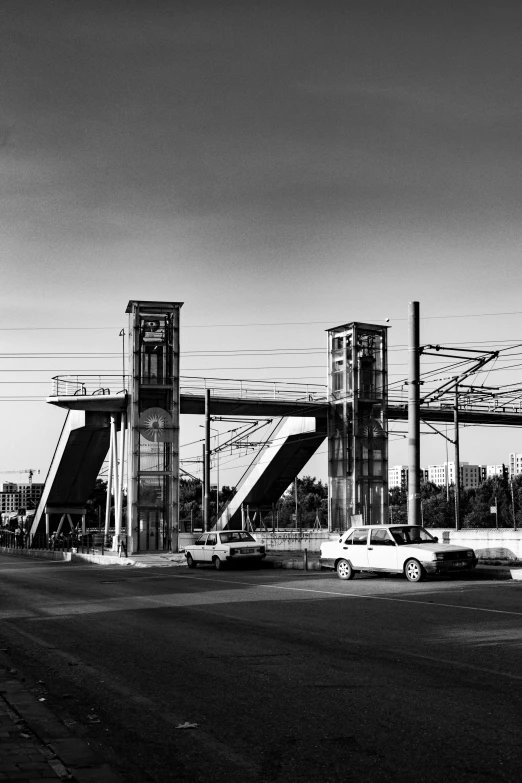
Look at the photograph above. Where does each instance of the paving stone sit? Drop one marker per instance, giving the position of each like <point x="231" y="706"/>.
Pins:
<point x="35" y="745"/>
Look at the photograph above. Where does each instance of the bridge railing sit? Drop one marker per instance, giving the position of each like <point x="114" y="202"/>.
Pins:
<point x="81" y="385"/>
<point x="254" y="389"/>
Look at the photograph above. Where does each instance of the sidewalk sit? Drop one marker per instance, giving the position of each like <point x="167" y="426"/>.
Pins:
<point x="35" y="745"/>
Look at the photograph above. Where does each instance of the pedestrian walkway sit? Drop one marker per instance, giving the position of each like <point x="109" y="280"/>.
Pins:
<point x="35" y="745"/>
<point x="293" y="560"/>
<point x="158" y="559"/>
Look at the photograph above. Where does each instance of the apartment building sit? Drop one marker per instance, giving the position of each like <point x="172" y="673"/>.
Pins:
<point x="16" y="496"/>
<point x="30" y="494"/>
<point x="470" y="475"/>
<point x="8" y="498"/>
<point x="398" y="477"/>
<point x="515" y="464"/>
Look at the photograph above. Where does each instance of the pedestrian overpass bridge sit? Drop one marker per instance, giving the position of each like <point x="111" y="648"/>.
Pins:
<point x="301" y="411"/>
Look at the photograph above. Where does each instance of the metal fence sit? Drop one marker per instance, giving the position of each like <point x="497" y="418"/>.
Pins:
<point x="90" y="543"/>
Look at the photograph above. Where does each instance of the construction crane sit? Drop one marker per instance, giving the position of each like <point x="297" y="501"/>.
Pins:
<point x="29" y="471"/>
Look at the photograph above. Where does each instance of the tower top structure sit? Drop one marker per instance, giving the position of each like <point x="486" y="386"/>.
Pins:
<point x="144" y="305"/>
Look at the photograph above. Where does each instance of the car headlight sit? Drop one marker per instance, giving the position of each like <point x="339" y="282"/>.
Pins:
<point x="437" y="556"/>
<point x="231" y="551"/>
<point x="470" y="553"/>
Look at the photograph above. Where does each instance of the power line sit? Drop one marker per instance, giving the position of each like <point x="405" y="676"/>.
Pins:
<point x="264" y="323"/>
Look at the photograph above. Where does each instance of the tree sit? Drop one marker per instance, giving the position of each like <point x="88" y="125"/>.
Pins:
<point x="96" y="504"/>
<point x="437" y="512"/>
<point x="312" y="501"/>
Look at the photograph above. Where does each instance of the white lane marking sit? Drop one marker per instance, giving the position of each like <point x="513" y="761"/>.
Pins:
<point x="348" y="595"/>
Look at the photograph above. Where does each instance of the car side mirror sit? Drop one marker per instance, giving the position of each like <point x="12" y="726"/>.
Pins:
<point x="340" y="540"/>
<point x="436" y="539"/>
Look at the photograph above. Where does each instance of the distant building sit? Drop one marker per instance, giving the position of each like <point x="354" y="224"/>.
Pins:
<point x="515" y="465"/>
<point x="30" y="494"/>
<point x="470" y="475"/>
<point x="9" y="486"/>
<point x="494" y="470"/>
<point x="16" y="496"/>
<point x="398" y="476"/>
<point x="8" y="501"/>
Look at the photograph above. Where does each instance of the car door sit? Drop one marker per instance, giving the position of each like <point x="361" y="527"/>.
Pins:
<point x="196" y="549"/>
<point x="356" y="548"/>
<point x="209" y="548"/>
<point x="382" y="550"/>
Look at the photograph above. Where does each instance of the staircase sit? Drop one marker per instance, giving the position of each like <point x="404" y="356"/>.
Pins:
<point x="79" y="455"/>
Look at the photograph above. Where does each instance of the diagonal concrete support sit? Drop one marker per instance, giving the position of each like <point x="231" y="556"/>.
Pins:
<point x="291" y="444"/>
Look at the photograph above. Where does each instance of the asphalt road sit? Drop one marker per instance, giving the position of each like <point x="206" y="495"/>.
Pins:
<point x="273" y="676"/>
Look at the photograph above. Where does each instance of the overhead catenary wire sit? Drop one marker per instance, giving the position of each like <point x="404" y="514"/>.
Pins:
<point x="215" y="325"/>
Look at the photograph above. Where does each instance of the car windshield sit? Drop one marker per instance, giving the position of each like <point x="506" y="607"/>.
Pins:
<point x="411" y="534"/>
<point x="235" y="535"/>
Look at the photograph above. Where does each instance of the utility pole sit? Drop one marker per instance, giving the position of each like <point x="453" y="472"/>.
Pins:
<point x="414" y="515"/>
<point x="203" y="489"/>
<point x="496" y="512"/>
<point x="295" y="493"/>
<point x="457" y="459"/>
<point x="206" y="466"/>
<point x="122" y="335"/>
<point x="446" y="471"/>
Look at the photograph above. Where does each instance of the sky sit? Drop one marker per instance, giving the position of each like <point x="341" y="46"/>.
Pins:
<point x="279" y="167"/>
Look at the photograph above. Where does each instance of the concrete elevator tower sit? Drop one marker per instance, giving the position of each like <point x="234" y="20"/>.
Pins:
<point x="153" y="420"/>
<point x="357" y="425"/>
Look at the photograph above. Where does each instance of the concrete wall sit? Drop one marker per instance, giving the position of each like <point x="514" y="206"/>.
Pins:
<point x="488" y="543"/>
<point x="289" y="541"/>
<point x="292" y="541"/>
<point x="46" y="554"/>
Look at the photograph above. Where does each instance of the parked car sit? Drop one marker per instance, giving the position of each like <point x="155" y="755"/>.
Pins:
<point x="394" y="549"/>
<point x="224" y="547"/>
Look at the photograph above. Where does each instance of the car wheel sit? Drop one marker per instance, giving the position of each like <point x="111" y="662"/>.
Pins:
<point x="413" y="571"/>
<point x="191" y="562"/>
<point x="345" y="570"/>
<point x="219" y="564"/>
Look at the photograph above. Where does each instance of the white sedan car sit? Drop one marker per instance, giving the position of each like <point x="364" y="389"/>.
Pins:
<point x="221" y="548"/>
<point x="395" y="549"/>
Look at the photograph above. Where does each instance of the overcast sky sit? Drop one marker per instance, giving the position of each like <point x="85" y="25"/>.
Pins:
<point x="263" y="162"/>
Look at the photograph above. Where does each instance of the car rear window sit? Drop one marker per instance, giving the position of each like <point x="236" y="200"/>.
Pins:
<point x="235" y="535"/>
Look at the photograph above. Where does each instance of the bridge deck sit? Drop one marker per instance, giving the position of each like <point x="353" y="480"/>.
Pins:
<point x="251" y="406"/>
